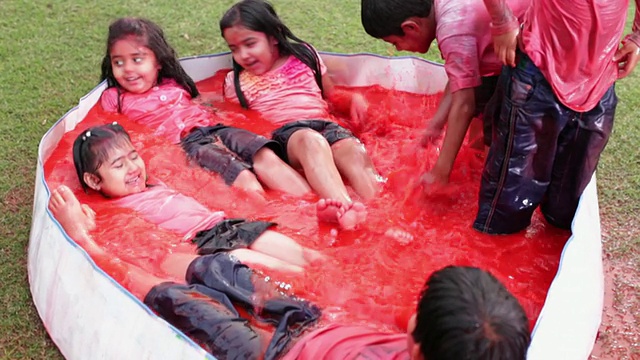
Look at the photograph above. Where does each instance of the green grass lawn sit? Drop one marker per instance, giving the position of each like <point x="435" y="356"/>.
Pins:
<point x="50" y="53"/>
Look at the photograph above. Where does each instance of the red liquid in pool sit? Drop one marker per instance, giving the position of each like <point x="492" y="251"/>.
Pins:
<point x="369" y="278"/>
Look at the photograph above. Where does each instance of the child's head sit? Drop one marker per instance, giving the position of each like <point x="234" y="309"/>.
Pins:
<point x="106" y="161"/>
<point x="466" y="313"/>
<point x="259" y="41"/>
<point x="138" y="57"/>
<point x="406" y="24"/>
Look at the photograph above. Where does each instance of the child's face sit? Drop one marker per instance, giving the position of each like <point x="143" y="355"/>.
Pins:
<point x="134" y="66"/>
<point x="253" y="50"/>
<point x="122" y="173"/>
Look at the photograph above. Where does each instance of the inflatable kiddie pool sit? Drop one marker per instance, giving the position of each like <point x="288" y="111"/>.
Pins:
<point x="89" y="315"/>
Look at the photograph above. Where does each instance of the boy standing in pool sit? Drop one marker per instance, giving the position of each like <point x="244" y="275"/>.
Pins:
<point x="556" y="102"/>
<point x="461" y="28"/>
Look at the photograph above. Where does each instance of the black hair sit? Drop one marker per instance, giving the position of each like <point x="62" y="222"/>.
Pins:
<point x="466" y="313"/>
<point x="258" y="15"/>
<point x="151" y="36"/>
<point x="382" y="18"/>
<point x="92" y="147"/>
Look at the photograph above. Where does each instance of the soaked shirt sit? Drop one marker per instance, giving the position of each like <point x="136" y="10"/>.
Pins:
<point x="573" y="42"/>
<point x="463" y="32"/>
<point x="171" y="210"/>
<point x="167" y="108"/>
<point x="340" y="342"/>
<point x="288" y="93"/>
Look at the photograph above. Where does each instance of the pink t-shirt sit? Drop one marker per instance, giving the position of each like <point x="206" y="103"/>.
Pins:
<point x="171" y="210"/>
<point x="463" y="32"/>
<point x="341" y="342"/>
<point x="572" y="42"/>
<point x="167" y="108"/>
<point x="288" y="93"/>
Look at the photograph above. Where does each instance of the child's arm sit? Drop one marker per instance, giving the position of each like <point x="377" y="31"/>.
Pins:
<point x="462" y="105"/>
<point x="628" y="55"/>
<point x="504" y="29"/>
<point x="434" y="128"/>
<point x="346" y="102"/>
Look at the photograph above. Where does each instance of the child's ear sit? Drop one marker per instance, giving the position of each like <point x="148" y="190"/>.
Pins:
<point x="410" y="28"/>
<point x="92" y="180"/>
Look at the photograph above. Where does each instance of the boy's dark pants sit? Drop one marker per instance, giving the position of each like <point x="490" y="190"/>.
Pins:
<point x="204" y="309"/>
<point x="542" y="153"/>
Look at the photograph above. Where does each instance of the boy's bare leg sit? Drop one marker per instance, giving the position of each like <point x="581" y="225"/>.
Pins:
<point x="284" y="248"/>
<point x="252" y="257"/>
<point x="246" y="180"/>
<point x="278" y="175"/>
<point x="354" y="163"/>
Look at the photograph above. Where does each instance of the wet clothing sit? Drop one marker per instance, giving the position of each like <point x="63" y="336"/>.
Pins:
<point x="464" y="37"/>
<point x="572" y="43"/>
<point x="204" y="309"/>
<point x="331" y="131"/>
<point x="171" y="210"/>
<point x="230" y="234"/>
<point x="288" y="93"/>
<point x="483" y="94"/>
<point x="225" y="150"/>
<point x="347" y="342"/>
<point x="542" y="152"/>
<point x="169" y="110"/>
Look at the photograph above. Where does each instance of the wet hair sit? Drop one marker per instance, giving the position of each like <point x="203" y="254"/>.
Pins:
<point x="93" y="146"/>
<point x="382" y="18"/>
<point x="149" y="35"/>
<point x="260" y="16"/>
<point x="466" y="313"/>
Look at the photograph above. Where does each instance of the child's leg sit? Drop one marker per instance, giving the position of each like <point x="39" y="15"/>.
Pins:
<point x="307" y="149"/>
<point x="579" y="147"/>
<point x="284" y="248"/>
<point x="257" y="258"/>
<point x="277" y="175"/>
<point x="354" y="163"/>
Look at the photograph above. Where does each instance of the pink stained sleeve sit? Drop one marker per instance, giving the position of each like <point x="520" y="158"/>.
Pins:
<point x="635" y="35"/>
<point x="229" y="88"/>
<point x="502" y="18"/>
<point x="461" y="63"/>
<point x="109" y="100"/>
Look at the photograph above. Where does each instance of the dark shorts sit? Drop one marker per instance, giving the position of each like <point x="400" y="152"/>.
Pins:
<point x="331" y="131"/>
<point x="485" y="106"/>
<point x="230" y="234"/>
<point x="542" y="153"/>
<point x="225" y="150"/>
<point x="204" y="309"/>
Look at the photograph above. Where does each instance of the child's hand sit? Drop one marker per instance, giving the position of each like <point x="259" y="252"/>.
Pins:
<point x="505" y="46"/>
<point x="359" y="107"/>
<point x="434" y="178"/>
<point x="627" y="58"/>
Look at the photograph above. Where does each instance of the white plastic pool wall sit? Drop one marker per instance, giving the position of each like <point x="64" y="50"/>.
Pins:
<point x="90" y="316"/>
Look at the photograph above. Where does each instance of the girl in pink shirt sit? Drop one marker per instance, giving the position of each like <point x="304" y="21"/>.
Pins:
<point x="147" y="84"/>
<point x="283" y="77"/>
<point x="107" y="162"/>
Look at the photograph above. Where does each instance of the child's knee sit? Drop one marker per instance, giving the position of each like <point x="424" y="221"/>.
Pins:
<point x="309" y="142"/>
<point x="266" y="159"/>
<point x="248" y="181"/>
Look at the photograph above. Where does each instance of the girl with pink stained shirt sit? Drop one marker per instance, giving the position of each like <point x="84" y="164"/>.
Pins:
<point x="283" y="78"/>
<point x="147" y="84"/>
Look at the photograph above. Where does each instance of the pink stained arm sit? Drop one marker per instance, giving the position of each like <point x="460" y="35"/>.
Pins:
<point x="502" y="18"/>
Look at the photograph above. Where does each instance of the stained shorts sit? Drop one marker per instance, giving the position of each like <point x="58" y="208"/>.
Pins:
<point x="331" y="131"/>
<point x="542" y="153"/>
<point x="485" y="107"/>
<point x="225" y="150"/>
<point x="204" y="309"/>
<point x="230" y="234"/>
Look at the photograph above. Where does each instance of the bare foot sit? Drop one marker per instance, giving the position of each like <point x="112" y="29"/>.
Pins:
<point x="76" y="219"/>
<point x="327" y="210"/>
<point x="350" y="215"/>
<point x="399" y="235"/>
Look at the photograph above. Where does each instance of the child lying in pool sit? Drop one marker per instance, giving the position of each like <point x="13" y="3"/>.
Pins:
<point x="107" y="162"/>
<point x="147" y="84"/>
